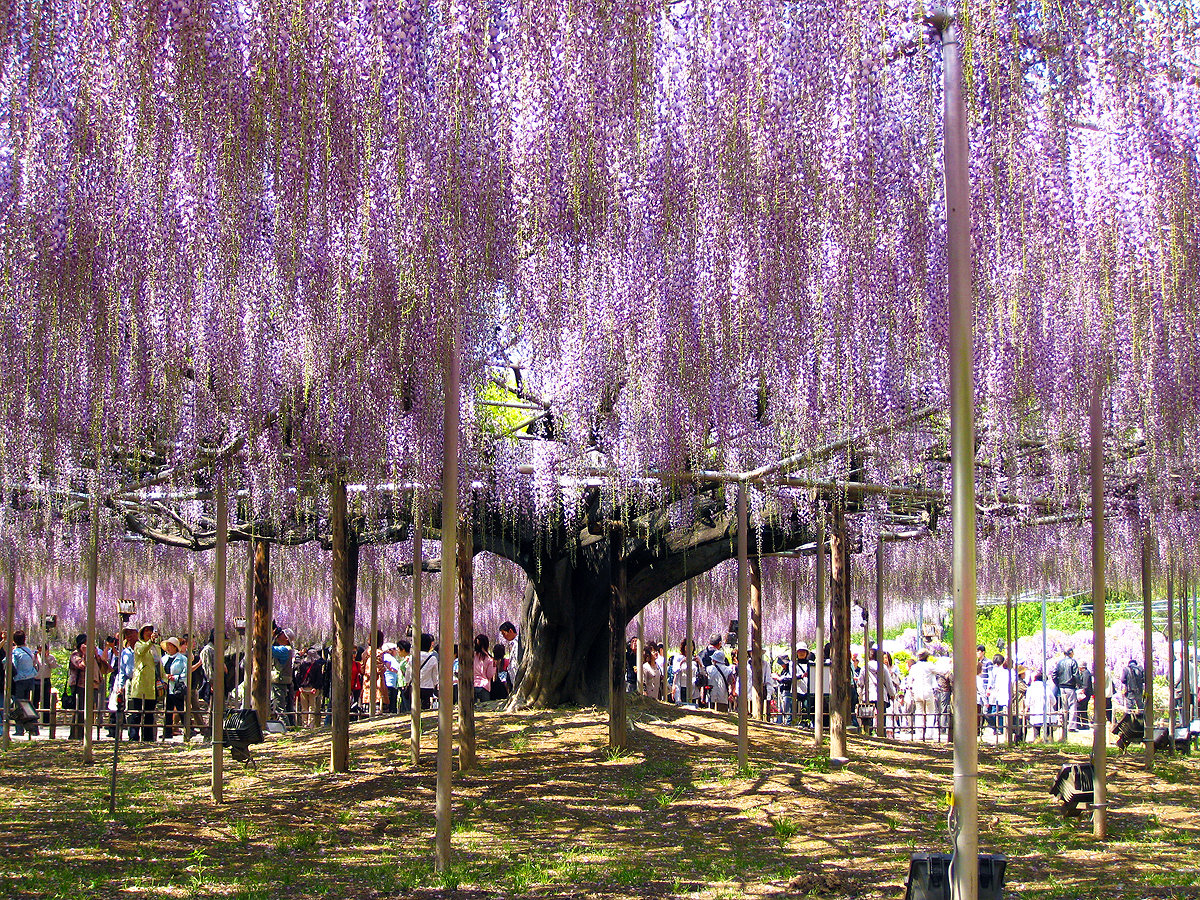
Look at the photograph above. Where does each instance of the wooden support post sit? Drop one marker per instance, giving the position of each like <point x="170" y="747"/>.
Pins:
<point x="616" y="644"/>
<point x="641" y="651"/>
<point x="794" y="719"/>
<point x="1099" y="664"/>
<point x="743" y="555"/>
<point x="191" y="639"/>
<point x="415" y="688"/>
<point x="10" y="602"/>
<point x="839" y="637"/>
<point x="216" y="716"/>
<point x="1185" y="680"/>
<point x="758" y="703"/>
<point x="1011" y="658"/>
<point x="466" y="639"/>
<point x="689" y="639"/>
<point x="345" y="579"/>
<point x="819" y="685"/>
<point x="374" y="645"/>
<point x="666" y="646"/>
<point x="880" y="694"/>
<point x="262" y="627"/>
<point x="1147" y="645"/>
<point x="90" y="675"/>
<point x="1171" y="721"/>
<point x="248" y="649"/>
<point x="451" y="382"/>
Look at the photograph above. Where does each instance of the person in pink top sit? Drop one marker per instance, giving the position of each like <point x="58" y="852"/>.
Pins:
<point x="485" y="669"/>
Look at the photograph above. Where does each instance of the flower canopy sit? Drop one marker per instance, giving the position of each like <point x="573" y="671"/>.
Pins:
<point x="692" y="235"/>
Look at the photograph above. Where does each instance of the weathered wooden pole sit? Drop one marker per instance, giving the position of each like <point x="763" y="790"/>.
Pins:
<point x="263" y="637"/>
<point x="191" y="631"/>
<point x="415" y="688"/>
<point x="1012" y="669"/>
<point x="374" y="644"/>
<point x="1171" y="720"/>
<point x="616" y="640"/>
<point x="743" y="582"/>
<point x="248" y="649"/>
<point x="466" y="639"/>
<point x="666" y="642"/>
<point x="794" y="719"/>
<point x="345" y="578"/>
<point x="1185" y="681"/>
<point x="839" y="637"/>
<point x="819" y="682"/>
<point x="757" y="701"/>
<point x="216" y="715"/>
<point x="689" y="639"/>
<point x="450" y="426"/>
<point x="1099" y="663"/>
<point x="880" y="693"/>
<point x="10" y="601"/>
<point x="641" y="649"/>
<point x="1147" y="645"/>
<point x="90" y="675"/>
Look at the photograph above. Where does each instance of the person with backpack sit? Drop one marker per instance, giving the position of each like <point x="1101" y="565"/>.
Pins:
<point x="720" y="676"/>
<point x="1066" y="683"/>
<point x="310" y="675"/>
<point x="24" y="677"/>
<point x="1133" y="685"/>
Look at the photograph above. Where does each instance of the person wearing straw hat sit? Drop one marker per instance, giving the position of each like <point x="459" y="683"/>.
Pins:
<point x="175" y="666"/>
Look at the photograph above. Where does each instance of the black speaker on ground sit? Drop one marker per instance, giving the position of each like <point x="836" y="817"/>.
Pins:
<point x="929" y="876"/>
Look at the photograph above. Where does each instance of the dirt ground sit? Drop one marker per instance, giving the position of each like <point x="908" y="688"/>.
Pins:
<point x="549" y="811"/>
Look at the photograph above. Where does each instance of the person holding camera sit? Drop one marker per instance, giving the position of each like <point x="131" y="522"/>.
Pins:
<point x="141" y="691"/>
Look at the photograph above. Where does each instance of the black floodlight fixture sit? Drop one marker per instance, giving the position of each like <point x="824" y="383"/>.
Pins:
<point x="1130" y="728"/>
<point x="126" y="608"/>
<point x="930" y="876"/>
<point x="239" y="622"/>
<point x="1075" y="785"/>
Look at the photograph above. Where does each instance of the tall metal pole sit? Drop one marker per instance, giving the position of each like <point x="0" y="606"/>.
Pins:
<point x="743" y="551"/>
<point x="1195" y="653"/>
<point x="1099" y="664"/>
<point x="1011" y="657"/>
<point x="450" y="416"/>
<point x="415" y="689"/>
<point x="216" y="715"/>
<point x="1171" y="720"/>
<point x="89" y="692"/>
<point x="819" y="682"/>
<point x="880" y="695"/>
<point x="962" y="452"/>
<point x="1148" y="645"/>
<point x="689" y="638"/>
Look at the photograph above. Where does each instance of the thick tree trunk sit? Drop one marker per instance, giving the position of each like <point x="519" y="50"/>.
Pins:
<point x="618" y="618"/>
<point x="263" y="638"/>
<point x="839" y="638"/>
<point x="565" y="635"/>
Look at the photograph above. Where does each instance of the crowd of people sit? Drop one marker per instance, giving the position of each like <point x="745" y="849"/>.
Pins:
<point x="141" y="684"/>
<point x="917" y="690"/>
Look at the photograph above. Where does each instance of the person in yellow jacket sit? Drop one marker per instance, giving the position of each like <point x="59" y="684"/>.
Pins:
<point x="141" y="692"/>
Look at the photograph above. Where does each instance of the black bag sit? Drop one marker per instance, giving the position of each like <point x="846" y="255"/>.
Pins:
<point x="68" y="699"/>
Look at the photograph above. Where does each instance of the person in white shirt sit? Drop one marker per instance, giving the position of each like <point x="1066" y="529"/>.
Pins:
<point x="868" y="686"/>
<point x="1039" y="700"/>
<point x="428" y="676"/>
<point x="922" y="682"/>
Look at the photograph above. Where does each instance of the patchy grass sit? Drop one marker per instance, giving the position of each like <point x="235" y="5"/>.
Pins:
<point x="550" y="812"/>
